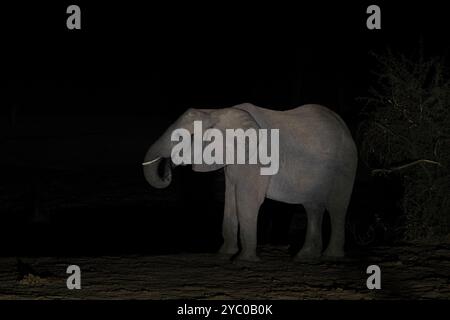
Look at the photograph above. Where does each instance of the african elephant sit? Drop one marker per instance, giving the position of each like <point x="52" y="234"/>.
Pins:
<point x="317" y="165"/>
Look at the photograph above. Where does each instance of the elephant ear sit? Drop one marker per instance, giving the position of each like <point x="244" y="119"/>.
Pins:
<point x="220" y="121"/>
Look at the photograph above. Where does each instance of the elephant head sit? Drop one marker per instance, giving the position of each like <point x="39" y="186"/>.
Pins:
<point x="157" y="163"/>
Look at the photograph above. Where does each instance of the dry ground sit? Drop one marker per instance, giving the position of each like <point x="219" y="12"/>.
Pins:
<point x="408" y="272"/>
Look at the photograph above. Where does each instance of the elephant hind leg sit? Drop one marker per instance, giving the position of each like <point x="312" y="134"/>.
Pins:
<point x="337" y="208"/>
<point x="312" y="249"/>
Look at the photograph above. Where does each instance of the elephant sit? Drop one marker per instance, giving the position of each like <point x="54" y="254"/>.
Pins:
<point x="317" y="167"/>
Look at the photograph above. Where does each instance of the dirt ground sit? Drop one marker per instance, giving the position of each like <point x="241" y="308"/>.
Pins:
<point x="407" y="272"/>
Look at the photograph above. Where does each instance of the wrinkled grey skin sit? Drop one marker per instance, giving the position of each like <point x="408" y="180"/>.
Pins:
<point x="318" y="160"/>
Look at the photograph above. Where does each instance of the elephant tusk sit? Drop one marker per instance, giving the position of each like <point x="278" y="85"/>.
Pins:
<point x="150" y="162"/>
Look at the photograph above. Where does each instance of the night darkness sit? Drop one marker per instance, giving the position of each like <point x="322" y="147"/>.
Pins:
<point x="80" y="108"/>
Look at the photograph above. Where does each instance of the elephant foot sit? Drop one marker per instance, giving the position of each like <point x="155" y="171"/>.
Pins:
<point x="332" y="254"/>
<point x="247" y="257"/>
<point x="228" y="250"/>
<point x="308" y="254"/>
<point x="223" y="257"/>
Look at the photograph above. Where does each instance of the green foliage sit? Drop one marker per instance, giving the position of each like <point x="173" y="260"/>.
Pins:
<point x="406" y="131"/>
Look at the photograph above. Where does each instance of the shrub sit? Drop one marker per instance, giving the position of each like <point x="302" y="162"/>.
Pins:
<point x="406" y="131"/>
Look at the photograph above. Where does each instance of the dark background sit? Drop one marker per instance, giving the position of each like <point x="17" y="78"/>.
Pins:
<point x="79" y="108"/>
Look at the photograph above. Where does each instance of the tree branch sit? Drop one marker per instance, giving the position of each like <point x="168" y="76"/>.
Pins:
<point x="387" y="171"/>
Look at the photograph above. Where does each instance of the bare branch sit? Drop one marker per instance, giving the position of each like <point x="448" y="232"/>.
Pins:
<point x="387" y="171"/>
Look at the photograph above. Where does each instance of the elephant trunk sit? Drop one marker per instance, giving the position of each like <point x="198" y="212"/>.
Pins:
<point x="157" y="168"/>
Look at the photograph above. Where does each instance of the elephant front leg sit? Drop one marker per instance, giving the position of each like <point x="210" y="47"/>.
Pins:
<point x="312" y="249"/>
<point x="248" y="221"/>
<point x="230" y="221"/>
<point x="249" y="198"/>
